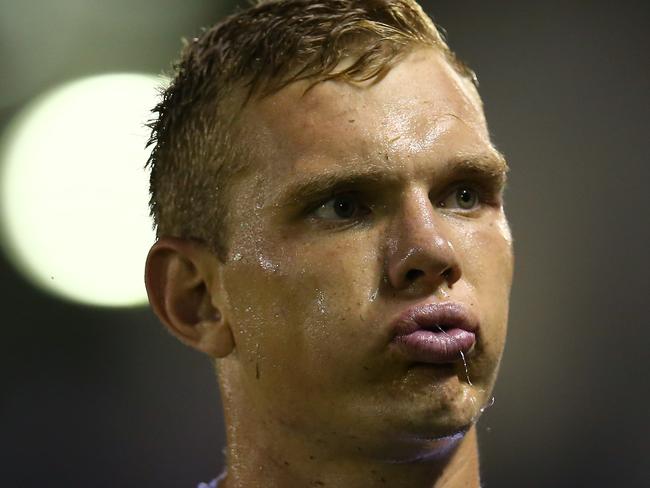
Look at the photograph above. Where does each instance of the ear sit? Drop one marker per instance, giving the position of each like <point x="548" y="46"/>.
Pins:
<point x="184" y="289"/>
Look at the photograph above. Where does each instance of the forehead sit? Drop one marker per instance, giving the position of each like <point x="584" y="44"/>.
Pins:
<point x="421" y="108"/>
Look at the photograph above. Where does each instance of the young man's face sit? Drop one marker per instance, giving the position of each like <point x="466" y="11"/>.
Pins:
<point x="361" y="203"/>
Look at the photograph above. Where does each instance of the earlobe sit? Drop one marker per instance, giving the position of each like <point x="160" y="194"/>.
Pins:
<point x="180" y="280"/>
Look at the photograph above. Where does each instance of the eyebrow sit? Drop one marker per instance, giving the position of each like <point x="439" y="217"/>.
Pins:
<point x="492" y="165"/>
<point x="324" y="184"/>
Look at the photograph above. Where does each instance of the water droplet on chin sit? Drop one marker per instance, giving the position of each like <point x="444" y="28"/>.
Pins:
<point x="487" y="405"/>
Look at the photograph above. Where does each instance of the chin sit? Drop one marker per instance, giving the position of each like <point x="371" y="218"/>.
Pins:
<point x="423" y="414"/>
<point x="447" y="410"/>
<point x="425" y="424"/>
<point x="440" y="427"/>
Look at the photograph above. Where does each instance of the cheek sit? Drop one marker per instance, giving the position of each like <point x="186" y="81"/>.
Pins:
<point x="295" y="315"/>
<point x="486" y="258"/>
<point x="330" y="295"/>
<point x="485" y="253"/>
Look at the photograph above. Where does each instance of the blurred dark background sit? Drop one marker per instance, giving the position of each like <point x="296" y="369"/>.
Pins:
<point x="105" y="397"/>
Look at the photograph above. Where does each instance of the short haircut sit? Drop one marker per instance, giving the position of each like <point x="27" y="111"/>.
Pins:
<point x="197" y="144"/>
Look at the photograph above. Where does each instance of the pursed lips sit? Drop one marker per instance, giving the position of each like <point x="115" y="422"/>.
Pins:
<point x="435" y="333"/>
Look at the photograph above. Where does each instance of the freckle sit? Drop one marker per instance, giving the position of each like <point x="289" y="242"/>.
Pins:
<point x="351" y="121"/>
<point x="312" y="457"/>
<point x="286" y="463"/>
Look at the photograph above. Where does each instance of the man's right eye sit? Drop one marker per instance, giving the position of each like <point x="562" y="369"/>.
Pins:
<point x="341" y="207"/>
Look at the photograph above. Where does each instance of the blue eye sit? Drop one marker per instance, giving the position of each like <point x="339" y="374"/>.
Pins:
<point x="341" y="207"/>
<point x="466" y="198"/>
<point x="463" y="198"/>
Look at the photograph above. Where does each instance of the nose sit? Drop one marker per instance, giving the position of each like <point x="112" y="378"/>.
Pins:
<point x="420" y="253"/>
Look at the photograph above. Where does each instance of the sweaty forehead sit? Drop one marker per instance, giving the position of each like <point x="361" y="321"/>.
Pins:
<point x="412" y="107"/>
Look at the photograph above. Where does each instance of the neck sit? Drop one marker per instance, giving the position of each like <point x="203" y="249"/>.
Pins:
<point x="256" y="458"/>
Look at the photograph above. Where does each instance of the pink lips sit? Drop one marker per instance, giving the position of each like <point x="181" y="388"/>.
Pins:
<point x="435" y="333"/>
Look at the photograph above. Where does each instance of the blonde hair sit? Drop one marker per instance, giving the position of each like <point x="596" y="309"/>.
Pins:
<point x="197" y="145"/>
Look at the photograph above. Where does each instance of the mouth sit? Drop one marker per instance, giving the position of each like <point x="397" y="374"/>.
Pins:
<point x="437" y="333"/>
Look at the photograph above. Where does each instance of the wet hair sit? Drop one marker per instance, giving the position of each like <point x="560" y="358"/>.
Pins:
<point x="197" y="145"/>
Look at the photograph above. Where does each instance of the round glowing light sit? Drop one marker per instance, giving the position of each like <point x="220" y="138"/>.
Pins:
<point x="73" y="189"/>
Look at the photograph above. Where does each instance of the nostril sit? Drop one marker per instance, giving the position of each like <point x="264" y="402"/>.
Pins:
<point x="414" y="274"/>
<point x="451" y="275"/>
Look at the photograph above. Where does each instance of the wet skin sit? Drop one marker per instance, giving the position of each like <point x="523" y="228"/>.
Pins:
<point x="359" y="203"/>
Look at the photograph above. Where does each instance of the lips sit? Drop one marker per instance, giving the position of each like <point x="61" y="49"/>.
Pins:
<point x="435" y="333"/>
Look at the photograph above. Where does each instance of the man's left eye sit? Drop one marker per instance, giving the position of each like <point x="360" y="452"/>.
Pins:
<point x="341" y="207"/>
<point x="463" y="198"/>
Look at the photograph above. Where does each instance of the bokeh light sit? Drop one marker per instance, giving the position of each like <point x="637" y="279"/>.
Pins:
<point x="73" y="189"/>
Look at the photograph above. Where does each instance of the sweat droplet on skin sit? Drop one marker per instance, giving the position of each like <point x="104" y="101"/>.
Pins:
<point x="487" y="405"/>
<point x="320" y="302"/>
<point x="373" y="296"/>
<point x="267" y="264"/>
